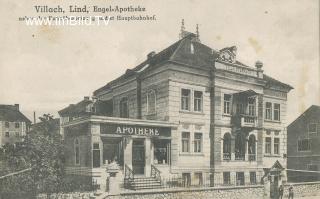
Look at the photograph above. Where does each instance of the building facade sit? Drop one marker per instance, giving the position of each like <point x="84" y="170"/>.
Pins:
<point x="188" y="111"/>
<point x="304" y="146"/>
<point x="13" y="124"/>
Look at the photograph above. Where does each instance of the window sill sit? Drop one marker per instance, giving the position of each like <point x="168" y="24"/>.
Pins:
<point x="272" y="121"/>
<point x="192" y="112"/>
<point x="191" y="154"/>
<point x="226" y="115"/>
<point x="272" y="155"/>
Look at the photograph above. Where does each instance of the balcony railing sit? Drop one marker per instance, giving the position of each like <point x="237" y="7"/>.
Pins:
<point x="239" y="156"/>
<point x="252" y="157"/>
<point x="248" y="121"/>
<point x="226" y="156"/>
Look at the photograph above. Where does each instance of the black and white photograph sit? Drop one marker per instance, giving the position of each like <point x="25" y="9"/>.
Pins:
<point x="171" y="99"/>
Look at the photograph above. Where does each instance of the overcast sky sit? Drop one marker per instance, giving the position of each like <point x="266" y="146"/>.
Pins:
<point x="44" y="69"/>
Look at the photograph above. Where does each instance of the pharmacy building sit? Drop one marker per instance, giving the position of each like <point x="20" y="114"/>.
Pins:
<point x="189" y="112"/>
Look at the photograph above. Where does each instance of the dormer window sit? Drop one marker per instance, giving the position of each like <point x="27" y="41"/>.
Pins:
<point x="191" y="48"/>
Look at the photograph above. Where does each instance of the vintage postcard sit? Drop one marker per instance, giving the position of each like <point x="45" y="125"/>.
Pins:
<point x="159" y="99"/>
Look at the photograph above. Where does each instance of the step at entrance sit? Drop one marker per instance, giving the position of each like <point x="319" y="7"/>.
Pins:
<point x="143" y="183"/>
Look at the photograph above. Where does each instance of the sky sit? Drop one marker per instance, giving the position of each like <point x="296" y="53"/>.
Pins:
<point x="46" y="68"/>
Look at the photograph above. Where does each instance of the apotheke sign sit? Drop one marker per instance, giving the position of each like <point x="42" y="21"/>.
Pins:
<point x="145" y="131"/>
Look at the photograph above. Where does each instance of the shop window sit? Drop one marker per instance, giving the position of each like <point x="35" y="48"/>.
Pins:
<point x="276" y="112"/>
<point x="17" y="125"/>
<point x="198" y="101"/>
<point x="96" y="155"/>
<point x="185" y="99"/>
<point x="240" y="145"/>
<point x="198" y="180"/>
<point x="113" y="151"/>
<point x="268" y="112"/>
<point x="251" y="107"/>
<point x="226" y="104"/>
<point x="267" y="145"/>
<point x="304" y="144"/>
<point x="124" y="109"/>
<point x="276" y="146"/>
<point x="151" y="102"/>
<point x="253" y="178"/>
<point x="7" y="134"/>
<point x="227" y="146"/>
<point x="7" y="124"/>
<point x="197" y="142"/>
<point x="161" y="151"/>
<point x="77" y="151"/>
<point x="226" y="178"/>
<point x="240" y="178"/>
<point x="185" y="142"/>
<point x="252" y="148"/>
<point x="186" y="177"/>
<point x="312" y="128"/>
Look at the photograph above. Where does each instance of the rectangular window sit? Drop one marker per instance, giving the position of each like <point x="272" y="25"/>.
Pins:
<point x="7" y="125"/>
<point x="124" y="109"/>
<point x="267" y="145"/>
<point x="304" y="145"/>
<point x="198" y="142"/>
<point x="17" y="125"/>
<point x="161" y="151"/>
<point x="312" y="167"/>
<point x="253" y="178"/>
<point x="198" y="179"/>
<point x="185" y="142"/>
<point x="268" y="111"/>
<point x="198" y="101"/>
<point x="276" y="112"/>
<point x="226" y="104"/>
<point x="186" y="177"/>
<point x="312" y="128"/>
<point x="185" y="99"/>
<point x="251" y="107"/>
<point x="96" y="155"/>
<point x="240" y="108"/>
<point x="240" y="178"/>
<point x="17" y="134"/>
<point x="7" y="134"/>
<point x="226" y="178"/>
<point x="151" y="102"/>
<point x="276" y="145"/>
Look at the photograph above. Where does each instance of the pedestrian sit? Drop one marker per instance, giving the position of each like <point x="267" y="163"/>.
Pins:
<point x="291" y="192"/>
<point x="280" y="191"/>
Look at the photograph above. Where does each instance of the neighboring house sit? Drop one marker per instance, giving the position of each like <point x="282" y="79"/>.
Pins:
<point x="304" y="146"/>
<point x="189" y="111"/>
<point x="13" y="124"/>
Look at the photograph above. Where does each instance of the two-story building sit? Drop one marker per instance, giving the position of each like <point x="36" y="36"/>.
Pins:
<point x="188" y="111"/>
<point x="304" y="146"/>
<point x="13" y="124"/>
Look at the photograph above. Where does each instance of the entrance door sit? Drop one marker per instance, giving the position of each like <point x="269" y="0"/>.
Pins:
<point x="274" y="186"/>
<point x="138" y="156"/>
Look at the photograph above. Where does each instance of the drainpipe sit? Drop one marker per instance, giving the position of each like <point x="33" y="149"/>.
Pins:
<point x="212" y="115"/>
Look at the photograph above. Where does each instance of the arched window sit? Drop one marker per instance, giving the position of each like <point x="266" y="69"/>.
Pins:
<point x="77" y="151"/>
<point x="124" y="110"/>
<point x="252" y="148"/>
<point x="227" y="146"/>
<point x="151" y="102"/>
<point x="240" y="145"/>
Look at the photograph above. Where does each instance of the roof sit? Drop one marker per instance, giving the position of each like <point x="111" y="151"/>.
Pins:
<point x="271" y="82"/>
<point x="312" y="108"/>
<point x="75" y="109"/>
<point x="11" y="113"/>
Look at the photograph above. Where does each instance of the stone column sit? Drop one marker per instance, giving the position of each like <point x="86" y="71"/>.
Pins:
<point x="128" y="152"/>
<point x="147" y="168"/>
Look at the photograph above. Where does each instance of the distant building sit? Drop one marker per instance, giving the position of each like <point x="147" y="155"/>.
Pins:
<point x="188" y="111"/>
<point x="13" y="124"/>
<point x="52" y="126"/>
<point x="304" y="145"/>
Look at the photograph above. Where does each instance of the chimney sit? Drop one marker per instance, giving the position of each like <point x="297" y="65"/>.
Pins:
<point x="259" y="66"/>
<point x="16" y="106"/>
<point x="151" y="54"/>
<point x="34" y="117"/>
<point x="86" y="98"/>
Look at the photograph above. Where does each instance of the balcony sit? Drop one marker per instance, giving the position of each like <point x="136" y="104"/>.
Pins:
<point x="226" y="156"/>
<point x="245" y="121"/>
<point x="239" y="157"/>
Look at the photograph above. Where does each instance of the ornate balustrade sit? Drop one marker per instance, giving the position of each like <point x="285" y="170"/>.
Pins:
<point x="155" y="173"/>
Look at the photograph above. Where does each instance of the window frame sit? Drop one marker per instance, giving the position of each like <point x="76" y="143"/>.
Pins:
<point x="200" y="101"/>
<point x="269" y="151"/>
<point x="188" y="98"/>
<point x="253" y="177"/>
<point x="7" y="124"/>
<point x="155" y="102"/>
<point x="76" y="147"/>
<point x="251" y="108"/>
<point x="274" y="145"/>
<point x="301" y="140"/>
<point x="7" y="134"/>
<point x="227" y="104"/>
<point x="316" y="128"/>
<point x="226" y="178"/>
<point x="278" y="109"/>
<point x="124" y="100"/>
<point x="197" y="142"/>
<point x="268" y="110"/>
<point x="187" y="140"/>
<point x="17" y="125"/>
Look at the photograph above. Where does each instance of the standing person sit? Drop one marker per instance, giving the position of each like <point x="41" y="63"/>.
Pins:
<point x="291" y="192"/>
<point x="280" y="191"/>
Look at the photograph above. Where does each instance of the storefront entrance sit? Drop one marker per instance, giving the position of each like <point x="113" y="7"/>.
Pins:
<point x="138" y="156"/>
